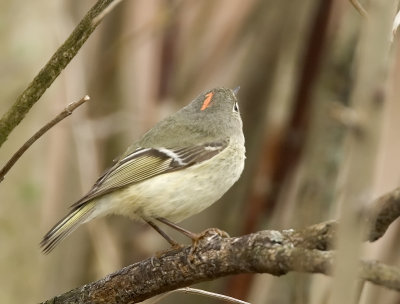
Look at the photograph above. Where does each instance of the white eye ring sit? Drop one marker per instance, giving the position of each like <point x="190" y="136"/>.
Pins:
<point x="235" y="107"/>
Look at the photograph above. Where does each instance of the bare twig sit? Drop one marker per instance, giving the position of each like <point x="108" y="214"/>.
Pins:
<point x="211" y="295"/>
<point x="269" y="251"/>
<point x="357" y="5"/>
<point x="106" y="12"/>
<point x="65" y="113"/>
<point x="51" y="70"/>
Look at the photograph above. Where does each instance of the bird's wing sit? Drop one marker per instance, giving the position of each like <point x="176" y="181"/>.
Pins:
<point x="144" y="163"/>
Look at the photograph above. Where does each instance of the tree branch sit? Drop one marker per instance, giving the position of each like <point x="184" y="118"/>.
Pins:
<point x="357" y="5"/>
<point x="269" y="251"/>
<point x="209" y="294"/>
<point x="65" y="113"/>
<point x="51" y="70"/>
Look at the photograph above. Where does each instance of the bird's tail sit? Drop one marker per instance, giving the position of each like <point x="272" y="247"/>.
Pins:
<point x="64" y="227"/>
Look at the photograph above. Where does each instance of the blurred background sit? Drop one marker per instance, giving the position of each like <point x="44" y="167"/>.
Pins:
<point x="295" y="62"/>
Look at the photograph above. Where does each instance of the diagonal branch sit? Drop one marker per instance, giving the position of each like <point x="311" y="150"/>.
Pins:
<point x="269" y="251"/>
<point x="360" y="9"/>
<point x="65" y="113"/>
<point x="51" y="70"/>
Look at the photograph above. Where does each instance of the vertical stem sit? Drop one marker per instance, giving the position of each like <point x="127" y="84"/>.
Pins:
<point x="367" y="100"/>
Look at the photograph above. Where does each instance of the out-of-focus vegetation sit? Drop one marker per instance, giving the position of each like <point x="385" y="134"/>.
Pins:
<point x="296" y="63"/>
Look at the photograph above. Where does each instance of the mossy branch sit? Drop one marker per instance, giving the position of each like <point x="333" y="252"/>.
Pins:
<point x="51" y="70"/>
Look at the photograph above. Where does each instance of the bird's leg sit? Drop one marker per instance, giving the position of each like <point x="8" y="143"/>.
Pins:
<point x="189" y="234"/>
<point x="195" y="237"/>
<point x="174" y="244"/>
<point x="162" y="233"/>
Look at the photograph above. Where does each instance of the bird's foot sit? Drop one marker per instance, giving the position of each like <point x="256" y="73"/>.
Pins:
<point x="160" y="253"/>
<point x="203" y="237"/>
<point x="207" y="235"/>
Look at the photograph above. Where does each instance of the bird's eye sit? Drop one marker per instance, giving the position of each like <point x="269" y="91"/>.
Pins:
<point x="236" y="107"/>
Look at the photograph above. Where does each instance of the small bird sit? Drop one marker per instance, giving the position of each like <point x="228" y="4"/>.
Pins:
<point x="178" y="168"/>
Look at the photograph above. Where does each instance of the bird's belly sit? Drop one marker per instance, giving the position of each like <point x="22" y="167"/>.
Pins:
<point x="179" y="194"/>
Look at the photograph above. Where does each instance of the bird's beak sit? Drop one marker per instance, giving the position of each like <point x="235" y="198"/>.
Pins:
<point x="236" y="90"/>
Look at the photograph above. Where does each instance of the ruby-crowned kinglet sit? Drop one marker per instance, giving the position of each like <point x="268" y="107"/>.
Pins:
<point x="177" y="169"/>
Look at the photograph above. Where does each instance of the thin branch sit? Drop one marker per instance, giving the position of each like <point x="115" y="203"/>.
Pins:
<point x="65" y="113"/>
<point x="269" y="251"/>
<point x="106" y="11"/>
<point x="51" y="70"/>
<point x="360" y="9"/>
<point x="196" y="291"/>
<point x="210" y="295"/>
